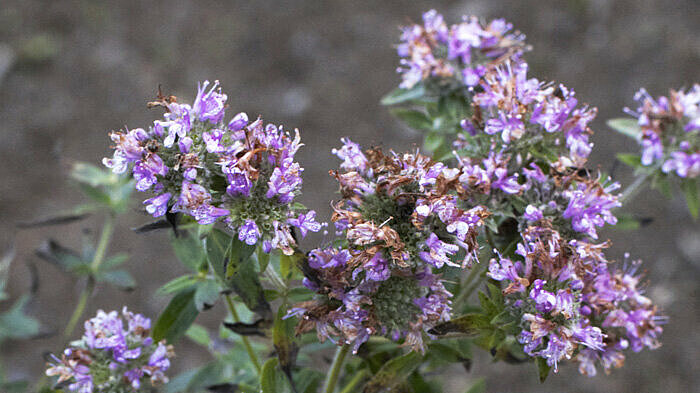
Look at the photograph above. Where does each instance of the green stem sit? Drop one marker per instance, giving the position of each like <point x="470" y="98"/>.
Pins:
<point x="105" y="237"/>
<point x="79" y="309"/>
<point x="246" y="342"/>
<point x="635" y="187"/>
<point x="97" y="259"/>
<point x="332" y="378"/>
<point x="359" y="377"/>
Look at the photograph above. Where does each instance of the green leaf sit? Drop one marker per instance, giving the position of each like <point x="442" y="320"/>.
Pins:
<point x="478" y="387"/>
<point x="469" y="324"/>
<point x="542" y="369"/>
<point x="287" y="263"/>
<point x="199" y="334"/>
<point x="103" y="186"/>
<point x="246" y="283"/>
<point x="445" y="351"/>
<point x="633" y="160"/>
<point x="393" y="372"/>
<point x="282" y="340"/>
<point x="177" y="284"/>
<point x="413" y="118"/>
<point x="625" y="126"/>
<point x="400" y="96"/>
<point x="63" y="257"/>
<point x="206" y="294"/>
<point x="308" y="380"/>
<point x="207" y="375"/>
<point x="691" y="190"/>
<point x="94" y="176"/>
<point x="627" y="222"/>
<point x="119" y="278"/>
<point x="433" y="140"/>
<point x="268" y="377"/>
<point x="239" y="254"/>
<point x="176" y="318"/>
<point x="114" y="261"/>
<point x="188" y="249"/>
<point x="263" y="260"/>
<point x="217" y="246"/>
<point x="661" y="183"/>
<point x="15" y="324"/>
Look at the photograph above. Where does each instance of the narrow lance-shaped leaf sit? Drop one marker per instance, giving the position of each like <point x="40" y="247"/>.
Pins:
<point x="400" y="96"/>
<point x="121" y="279"/>
<point x="62" y="219"/>
<point x="394" y="372"/>
<point x="633" y="160"/>
<point x="433" y="140"/>
<point x="15" y="324"/>
<point x="691" y="191"/>
<point x="176" y="318"/>
<point x="217" y="247"/>
<point x="268" y="377"/>
<point x="282" y="339"/>
<point x="468" y="324"/>
<point x="239" y="254"/>
<point x="625" y="126"/>
<point x="246" y="283"/>
<point x="542" y="369"/>
<point x="206" y="294"/>
<point x="188" y="249"/>
<point x="413" y="118"/>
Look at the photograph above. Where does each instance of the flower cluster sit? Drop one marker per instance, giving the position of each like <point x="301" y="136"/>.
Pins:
<point x="670" y="131"/>
<point x="463" y="52"/>
<point x="521" y="153"/>
<point x="114" y="355"/>
<point x="402" y="219"/>
<point x="569" y="302"/>
<point x="242" y="172"/>
<point x="528" y="115"/>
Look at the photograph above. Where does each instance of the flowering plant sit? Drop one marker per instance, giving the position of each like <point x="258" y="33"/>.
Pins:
<point x="500" y="198"/>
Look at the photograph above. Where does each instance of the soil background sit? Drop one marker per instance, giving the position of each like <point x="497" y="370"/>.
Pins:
<point x="70" y="71"/>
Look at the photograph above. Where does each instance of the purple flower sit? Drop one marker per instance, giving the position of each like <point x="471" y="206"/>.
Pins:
<point x="532" y="213"/>
<point x="328" y="258"/>
<point x="284" y="182"/>
<point x="238" y="122"/>
<point x="305" y="222"/>
<point x="510" y="127"/>
<point x="145" y="171"/>
<point x="212" y="140"/>
<point x="111" y="358"/>
<point x="158" y="206"/>
<point x="238" y="182"/>
<point x="194" y="200"/>
<point x="544" y="300"/>
<point x="590" y="206"/>
<point x="685" y="165"/>
<point x="185" y="144"/>
<point x="209" y="106"/>
<point x="352" y="156"/>
<point x="249" y="233"/>
<point x="557" y="349"/>
<point x="439" y="252"/>
<point x="376" y="268"/>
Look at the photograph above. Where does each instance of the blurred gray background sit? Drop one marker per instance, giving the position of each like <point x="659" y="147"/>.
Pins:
<point x="70" y="71"/>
